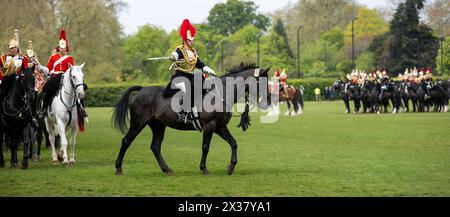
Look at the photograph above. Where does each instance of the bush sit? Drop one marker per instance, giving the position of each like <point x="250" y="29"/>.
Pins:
<point x="310" y="84"/>
<point x="106" y="95"/>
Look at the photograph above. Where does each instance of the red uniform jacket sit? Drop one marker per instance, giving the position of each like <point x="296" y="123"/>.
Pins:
<point x="57" y="63"/>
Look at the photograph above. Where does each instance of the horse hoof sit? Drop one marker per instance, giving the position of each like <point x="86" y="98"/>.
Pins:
<point x="55" y="162"/>
<point x="72" y="162"/>
<point x="205" y="172"/>
<point x="39" y="158"/>
<point x="24" y="166"/>
<point x="14" y="166"/>
<point x="65" y="163"/>
<point x="230" y="169"/>
<point x="170" y="173"/>
<point x="119" y="172"/>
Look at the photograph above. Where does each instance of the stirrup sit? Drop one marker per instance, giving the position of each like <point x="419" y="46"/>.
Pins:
<point x="183" y="117"/>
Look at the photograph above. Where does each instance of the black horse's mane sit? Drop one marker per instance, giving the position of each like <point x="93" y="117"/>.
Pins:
<point x="241" y="67"/>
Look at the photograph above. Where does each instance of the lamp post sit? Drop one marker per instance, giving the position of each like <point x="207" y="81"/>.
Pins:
<point x="221" y="51"/>
<point x="353" y="42"/>
<point x="441" y="72"/>
<point x="325" y="56"/>
<point x="257" y="48"/>
<point x="298" y="51"/>
<point x="208" y="45"/>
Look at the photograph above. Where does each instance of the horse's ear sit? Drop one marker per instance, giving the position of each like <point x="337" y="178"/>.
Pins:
<point x="82" y="65"/>
<point x="266" y="71"/>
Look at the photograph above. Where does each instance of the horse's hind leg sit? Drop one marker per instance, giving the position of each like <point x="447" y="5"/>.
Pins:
<point x="288" y="112"/>
<point x="2" y="159"/>
<point x="135" y="128"/>
<point x="26" y="145"/>
<point x="225" y="134"/>
<point x="158" y="131"/>
<point x="205" y="149"/>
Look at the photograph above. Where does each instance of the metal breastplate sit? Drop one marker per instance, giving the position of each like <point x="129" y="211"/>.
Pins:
<point x="12" y="64"/>
<point x="187" y="64"/>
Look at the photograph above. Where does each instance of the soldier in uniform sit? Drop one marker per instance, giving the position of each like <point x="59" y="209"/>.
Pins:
<point x="13" y="62"/>
<point x="384" y="80"/>
<point x="58" y="64"/>
<point x="185" y="59"/>
<point x="283" y="83"/>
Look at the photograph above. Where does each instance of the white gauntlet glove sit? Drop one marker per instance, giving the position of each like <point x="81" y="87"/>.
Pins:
<point x="208" y="70"/>
<point x="174" y="56"/>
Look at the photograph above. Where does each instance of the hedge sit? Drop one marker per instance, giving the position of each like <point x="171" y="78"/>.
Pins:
<point x="106" y="95"/>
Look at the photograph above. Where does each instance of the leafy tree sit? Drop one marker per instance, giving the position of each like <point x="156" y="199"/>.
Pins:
<point x="445" y="58"/>
<point x="149" y="41"/>
<point x="367" y="26"/>
<point x="410" y="43"/>
<point x="279" y="28"/>
<point x="227" y="18"/>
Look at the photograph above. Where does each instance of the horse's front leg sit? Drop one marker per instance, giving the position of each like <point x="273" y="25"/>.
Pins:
<point x="62" y="136"/>
<point x="51" y="138"/>
<point x="73" y="141"/>
<point x="207" y="135"/>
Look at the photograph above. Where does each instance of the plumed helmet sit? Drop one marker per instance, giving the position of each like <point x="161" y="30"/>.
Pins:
<point x="63" y="43"/>
<point x="187" y="31"/>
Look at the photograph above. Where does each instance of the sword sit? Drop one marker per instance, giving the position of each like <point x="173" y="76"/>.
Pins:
<point x="158" y="58"/>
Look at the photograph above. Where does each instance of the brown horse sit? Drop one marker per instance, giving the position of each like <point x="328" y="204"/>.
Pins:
<point x="289" y="94"/>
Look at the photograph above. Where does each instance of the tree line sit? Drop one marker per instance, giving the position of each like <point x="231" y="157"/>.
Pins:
<point x="406" y="34"/>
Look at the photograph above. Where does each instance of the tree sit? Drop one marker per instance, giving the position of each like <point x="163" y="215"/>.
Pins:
<point x="438" y="16"/>
<point x="278" y="27"/>
<point x="445" y="58"/>
<point x="410" y="43"/>
<point x="149" y="41"/>
<point x="227" y="18"/>
<point x="367" y="26"/>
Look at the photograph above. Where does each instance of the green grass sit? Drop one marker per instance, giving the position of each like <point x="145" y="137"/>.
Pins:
<point x="321" y="153"/>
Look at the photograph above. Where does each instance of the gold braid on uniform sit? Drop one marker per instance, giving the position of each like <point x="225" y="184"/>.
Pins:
<point x="186" y="65"/>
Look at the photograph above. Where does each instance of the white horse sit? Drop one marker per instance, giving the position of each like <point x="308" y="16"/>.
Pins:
<point x="62" y="113"/>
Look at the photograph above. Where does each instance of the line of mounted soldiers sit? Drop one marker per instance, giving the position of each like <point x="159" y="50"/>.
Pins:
<point x="375" y="92"/>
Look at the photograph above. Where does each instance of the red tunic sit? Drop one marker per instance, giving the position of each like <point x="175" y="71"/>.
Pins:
<point x="58" y="67"/>
<point x="19" y="70"/>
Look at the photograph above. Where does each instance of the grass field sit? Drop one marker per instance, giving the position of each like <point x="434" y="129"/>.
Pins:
<point x="321" y="153"/>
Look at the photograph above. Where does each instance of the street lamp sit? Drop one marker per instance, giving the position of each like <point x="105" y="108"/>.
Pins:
<point x="298" y="51"/>
<point x="325" y="56"/>
<point x="208" y="45"/>
<point x="441" y="72"/>
<point x="257" y="48"/>
<point x="353" y="42"/>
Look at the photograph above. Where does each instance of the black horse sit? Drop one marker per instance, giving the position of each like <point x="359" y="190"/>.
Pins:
<point x="150" y="108"/>
<point x="17" y="94"/>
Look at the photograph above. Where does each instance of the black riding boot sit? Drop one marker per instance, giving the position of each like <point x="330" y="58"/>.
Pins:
<point x="43" y="112"/>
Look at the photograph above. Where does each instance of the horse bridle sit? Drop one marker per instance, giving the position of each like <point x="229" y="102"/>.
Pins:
<point x="25" y="98"/>
<point x="74" y="88"/>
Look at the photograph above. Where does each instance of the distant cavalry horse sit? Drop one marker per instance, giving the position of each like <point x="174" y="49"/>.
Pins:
<point x="290" y="95"/>
<point x="62" y="113"/>
<point x="150" y="108"/>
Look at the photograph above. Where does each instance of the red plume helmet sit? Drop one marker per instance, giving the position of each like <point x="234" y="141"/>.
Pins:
<point x="63" y="43"/>
<point x="187" y="31"/>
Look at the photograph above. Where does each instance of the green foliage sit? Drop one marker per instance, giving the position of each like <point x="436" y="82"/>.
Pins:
<point x="445" y="70"/>
<point x="366" y="61"/>
<point x="309" y="84"/>
<point x="149" y="41"/>
<point x="228" y="18"/>
<point x="410" y="43"/>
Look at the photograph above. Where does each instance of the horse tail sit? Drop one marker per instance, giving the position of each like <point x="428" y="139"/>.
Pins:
<point x="120" y="113"/>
